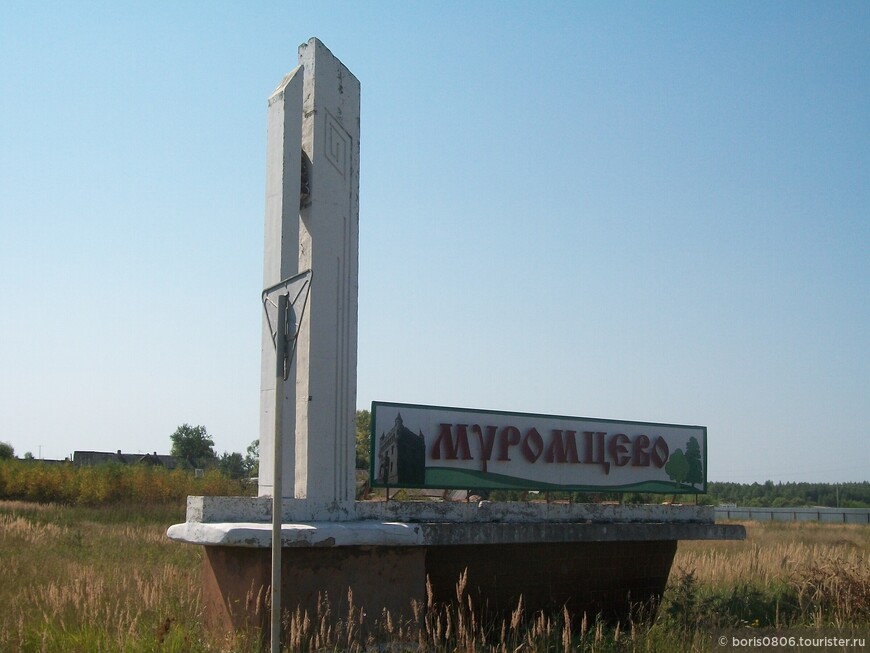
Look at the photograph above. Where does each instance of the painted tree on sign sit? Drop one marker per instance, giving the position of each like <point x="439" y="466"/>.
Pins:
<point x="677" y="466"/>
<point x="695" y="476"/>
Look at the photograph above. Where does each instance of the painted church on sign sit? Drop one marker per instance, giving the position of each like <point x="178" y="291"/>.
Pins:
<point x="402" y="456"/>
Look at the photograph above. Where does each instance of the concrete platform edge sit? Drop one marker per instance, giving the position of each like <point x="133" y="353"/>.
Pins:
<point x="259" y="509"/>
<point x="370" y="533"/>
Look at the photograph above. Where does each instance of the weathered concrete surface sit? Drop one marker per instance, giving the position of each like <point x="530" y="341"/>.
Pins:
<point x="313" y="534"/>
<point x="246" y="522"/>
<point x="592" y="578"/>
<point x="608" y="578"/>
<point x="371" y="533"/>
<point x="523" y="512"/>
<point x="235" y="589"/>
<point x="236" y="583"/>
<point x="562" y="533"/>
<point x="259" y="509"/>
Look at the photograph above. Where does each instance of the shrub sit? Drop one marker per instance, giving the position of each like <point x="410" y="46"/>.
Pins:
<point x="108" y="484"/>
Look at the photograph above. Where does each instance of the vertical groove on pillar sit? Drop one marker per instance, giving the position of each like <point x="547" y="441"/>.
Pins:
<point x="339" y="405"/>
<point x="348" y="466"/>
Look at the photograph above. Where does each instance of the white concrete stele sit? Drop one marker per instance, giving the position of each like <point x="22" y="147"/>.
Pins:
<point x="314" y="115"/>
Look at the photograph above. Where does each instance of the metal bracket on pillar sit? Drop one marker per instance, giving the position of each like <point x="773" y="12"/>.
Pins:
<point x="284" y="304"/>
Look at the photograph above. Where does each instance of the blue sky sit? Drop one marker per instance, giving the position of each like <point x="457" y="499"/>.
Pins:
<point x="640" y="211"/>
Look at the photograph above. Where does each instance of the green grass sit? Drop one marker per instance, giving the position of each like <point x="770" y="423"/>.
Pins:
<point x="95" y="579"/>
<point x="78" y="578"/>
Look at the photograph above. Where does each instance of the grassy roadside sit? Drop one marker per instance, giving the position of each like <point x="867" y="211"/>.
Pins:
<point x="78" y="578"/>
<point x="96" y="579"/>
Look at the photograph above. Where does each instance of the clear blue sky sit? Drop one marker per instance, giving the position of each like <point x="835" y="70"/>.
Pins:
<point x="643" y="211"/>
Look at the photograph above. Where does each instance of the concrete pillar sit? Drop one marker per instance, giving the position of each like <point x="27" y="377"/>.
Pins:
<point x="280" y="261"/>
<point x="328" y="244"/>
<point x="314" y="115"/>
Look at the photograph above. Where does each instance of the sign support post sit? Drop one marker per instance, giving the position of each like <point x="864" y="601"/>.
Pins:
<point x="285" y="332"/>
<point x="277" y="511"/>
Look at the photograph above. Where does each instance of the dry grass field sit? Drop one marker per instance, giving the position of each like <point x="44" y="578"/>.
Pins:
<point x="107" y="579"/>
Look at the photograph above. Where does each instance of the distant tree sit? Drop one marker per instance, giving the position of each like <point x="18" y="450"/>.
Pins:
<point x="232" y="465"/>
<point x="677" y="466"/>
<point x="695" y="475"/>
<point x="252" y="458"/>
<point x="363" y="438"/>
<point x="28" y="455"/>
<point x="6" y="451"/>
<point x="192" y="445"/>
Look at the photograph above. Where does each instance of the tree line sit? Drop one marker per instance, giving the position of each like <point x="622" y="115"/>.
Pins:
<point x="194" y="447"/>
<point x="776" y="495"/>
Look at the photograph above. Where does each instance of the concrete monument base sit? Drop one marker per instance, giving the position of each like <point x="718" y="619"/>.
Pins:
<point x="236" y="582"/>
<point x="590" y="558"/>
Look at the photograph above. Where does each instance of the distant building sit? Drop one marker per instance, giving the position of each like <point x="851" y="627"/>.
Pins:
<point x="401" y="456"/>
<point x="93" y="458"/>
<point x="45" y="461"/>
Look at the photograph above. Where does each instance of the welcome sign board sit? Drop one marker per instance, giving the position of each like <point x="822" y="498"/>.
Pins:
<point x="415" y="446"/>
